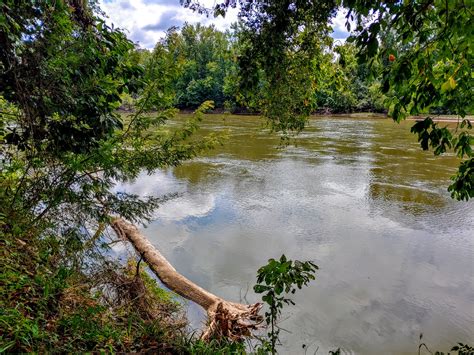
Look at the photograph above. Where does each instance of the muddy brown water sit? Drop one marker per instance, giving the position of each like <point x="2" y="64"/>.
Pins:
<point x="355" y="195"/>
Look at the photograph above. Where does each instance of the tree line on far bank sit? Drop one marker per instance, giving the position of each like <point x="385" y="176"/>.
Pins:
<point x="199" y="63"/>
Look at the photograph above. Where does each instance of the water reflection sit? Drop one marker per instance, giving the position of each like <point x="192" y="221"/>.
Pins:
<point x="356" y="196"/>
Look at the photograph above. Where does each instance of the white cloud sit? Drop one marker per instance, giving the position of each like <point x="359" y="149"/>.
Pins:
<point x="340" y="32"/>
<point x="177" y="209"/>
<point x="161" y="183"/>
<point x="146" y="21"/>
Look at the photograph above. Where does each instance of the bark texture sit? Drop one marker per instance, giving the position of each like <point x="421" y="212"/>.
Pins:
<point x="226" y="319"/>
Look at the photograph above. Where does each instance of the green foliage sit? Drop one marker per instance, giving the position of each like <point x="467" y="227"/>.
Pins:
<point x="48" y="303"/>
<point x="425" y="50"/>
<point x="343" y="85"/>
<point x="199" y="347"/>
<point x="281" y="43"/>
<point x="65" y="68"/>
<point x="200" y="63"/>
<point x="160" y="68"/>
<point x="432" y="54"/>
<point x="440" y="140"/>
<point x="462" y="187"/>
<point x="275" y="280"/>
<point x="193" y="64"/>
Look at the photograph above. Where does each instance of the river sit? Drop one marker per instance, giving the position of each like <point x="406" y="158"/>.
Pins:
<point x="358" y="197"/>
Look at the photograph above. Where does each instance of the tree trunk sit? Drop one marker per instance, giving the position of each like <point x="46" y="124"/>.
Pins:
<point x="226" y="319"/>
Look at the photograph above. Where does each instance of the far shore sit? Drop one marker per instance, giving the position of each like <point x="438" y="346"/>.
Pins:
<point x="375" y="115"/>
<point x="436" y="118"/>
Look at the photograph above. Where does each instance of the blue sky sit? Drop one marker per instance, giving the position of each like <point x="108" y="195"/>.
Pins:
<point x="146" y="21"/>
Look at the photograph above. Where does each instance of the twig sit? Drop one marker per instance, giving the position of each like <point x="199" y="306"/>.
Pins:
<point x="137" y="272"/>
<point x="426" y="347"/>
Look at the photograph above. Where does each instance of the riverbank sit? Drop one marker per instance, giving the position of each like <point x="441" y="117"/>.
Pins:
<point x="365" y="115"/>
<point x="361" y="115"/>
<point x="442" y="118"/>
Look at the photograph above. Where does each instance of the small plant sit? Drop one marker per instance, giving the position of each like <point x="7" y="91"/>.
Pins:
<point x="460" y="348"/>
<point x="463" y="349"/>
<point x="275" y="280"/>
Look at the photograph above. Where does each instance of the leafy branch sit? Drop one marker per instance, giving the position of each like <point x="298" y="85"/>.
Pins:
<point x="275" y="281"/>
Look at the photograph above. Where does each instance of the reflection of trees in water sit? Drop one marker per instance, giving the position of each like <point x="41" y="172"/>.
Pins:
<point x="194" y="172"/>
<point x="403" y="175"/>
<point x="410" y="199"/>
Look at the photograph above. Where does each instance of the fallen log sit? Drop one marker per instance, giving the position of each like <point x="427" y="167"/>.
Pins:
<point x="226" y="319"/>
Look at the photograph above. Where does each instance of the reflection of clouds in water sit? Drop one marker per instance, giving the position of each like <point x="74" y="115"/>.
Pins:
<point x="162" y="183"/>
<point x="379" y="286"/>
<point x="183" y="207"/>
<point x="158" y="184"/>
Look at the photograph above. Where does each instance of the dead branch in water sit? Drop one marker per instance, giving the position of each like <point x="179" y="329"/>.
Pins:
<point x="234" y="321"/>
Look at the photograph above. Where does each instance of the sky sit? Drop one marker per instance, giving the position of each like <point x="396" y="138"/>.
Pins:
<point x="146" y="21"/>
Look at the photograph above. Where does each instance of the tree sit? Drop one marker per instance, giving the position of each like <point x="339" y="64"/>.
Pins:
<point x="344" y="85"/>
<point x="63" y="71"/>
<point x="198" y="58"/>
<point x="64" y="146"/>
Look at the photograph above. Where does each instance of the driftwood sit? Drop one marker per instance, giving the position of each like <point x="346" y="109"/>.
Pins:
<point x="234" y="321"/>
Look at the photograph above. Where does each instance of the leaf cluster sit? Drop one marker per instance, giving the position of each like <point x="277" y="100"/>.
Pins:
<point x="65" y="71"/>
<point x="277" y="279"/>
<point x="425" y="49"/>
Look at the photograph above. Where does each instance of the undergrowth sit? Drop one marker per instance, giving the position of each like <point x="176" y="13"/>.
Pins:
<point x="50" y="305"/>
